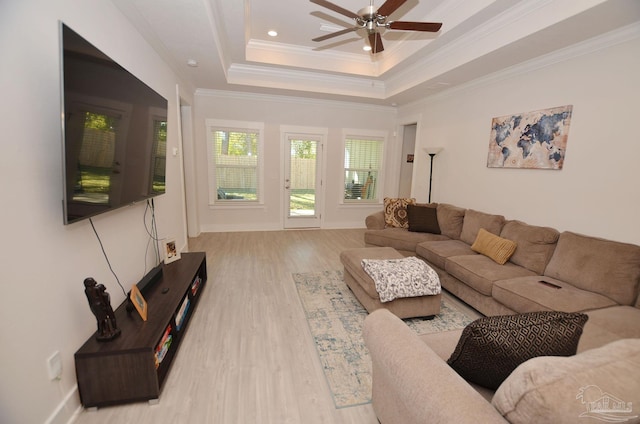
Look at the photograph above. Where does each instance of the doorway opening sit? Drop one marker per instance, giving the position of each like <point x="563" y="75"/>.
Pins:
<point x="406" y="159"/>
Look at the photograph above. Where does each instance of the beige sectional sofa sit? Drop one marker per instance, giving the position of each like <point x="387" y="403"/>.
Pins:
<point x="411" y="380"/>
<point x="593" y="273"/>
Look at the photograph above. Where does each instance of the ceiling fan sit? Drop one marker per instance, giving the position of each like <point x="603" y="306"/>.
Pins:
<point x="372" y="18"/>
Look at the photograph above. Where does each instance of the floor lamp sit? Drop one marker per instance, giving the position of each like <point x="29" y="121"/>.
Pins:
<point x="432" y="152"/>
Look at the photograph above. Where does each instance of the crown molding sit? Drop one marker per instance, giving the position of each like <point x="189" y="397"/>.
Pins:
<point x="464" y="49"/>
<point x="302" y="57"/>
<point x="511" y="26"/>
<point x="610" y="39"/>
<point x="238" y="95"/>
<point x="289" y="79"/>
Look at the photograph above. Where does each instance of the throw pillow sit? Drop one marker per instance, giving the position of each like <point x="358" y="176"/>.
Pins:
<point x="450" y="220"/>
<point x="490" y="348"/>
<point x="423" y="219"/>
<point x="395" y="211"/>
<point x="495" y="247"/>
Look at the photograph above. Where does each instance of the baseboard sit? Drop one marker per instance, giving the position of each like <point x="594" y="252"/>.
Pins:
<point x="228" y="228"/>
<point x="68" y="410"/>
<point x="225" y="228"/>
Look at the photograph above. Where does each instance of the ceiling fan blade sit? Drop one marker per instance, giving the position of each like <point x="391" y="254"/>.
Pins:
<point x="335" y="34"/>
<point x="415" y="26"/>
<point x="375" y="40"/>
<point x="389" y="7"/>
<point x="335" y="8"/>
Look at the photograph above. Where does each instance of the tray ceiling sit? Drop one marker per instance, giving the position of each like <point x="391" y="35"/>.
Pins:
<point x="229" y="41"/>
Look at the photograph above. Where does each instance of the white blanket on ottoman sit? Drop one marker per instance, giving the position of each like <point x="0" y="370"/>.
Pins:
<point x="406" y="277"/>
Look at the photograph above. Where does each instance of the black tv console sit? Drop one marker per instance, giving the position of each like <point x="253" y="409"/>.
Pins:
<point x="134" y="366"/>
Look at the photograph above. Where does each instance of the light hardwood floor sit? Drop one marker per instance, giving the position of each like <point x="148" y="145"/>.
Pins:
<point x="249" y="356"/>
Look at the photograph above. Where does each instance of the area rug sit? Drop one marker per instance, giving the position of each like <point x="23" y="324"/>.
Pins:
<point x="335" y="318"/>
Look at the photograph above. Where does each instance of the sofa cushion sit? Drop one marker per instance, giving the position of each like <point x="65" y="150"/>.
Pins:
<point x="535" y="244"/>
<point x="623" y="321"/>
<point x="598" y="265"/>
<point x="450" y="219"/>
<point x="552" y="389"/>
<point x="494" y="247"/>
<point x="609" y="324"/>
<point x="474" y="220"/>
<point x="423" y="218"/>
<point x="399" y="238"/>
<point x="436" y="252"/>
<point x="395" y="211"/>
<point x="480" y="272"/>
<point x="527" y="294"/>
<point x="491" y="348"/>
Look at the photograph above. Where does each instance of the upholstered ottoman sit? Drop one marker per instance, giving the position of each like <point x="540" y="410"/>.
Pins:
<point x="364" y="288"/>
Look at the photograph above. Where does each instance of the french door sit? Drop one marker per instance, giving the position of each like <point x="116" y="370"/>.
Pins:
<point x="303" y="156"/>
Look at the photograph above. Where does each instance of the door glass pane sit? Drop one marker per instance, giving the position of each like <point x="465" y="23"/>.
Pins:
<point x="302" y="176"/>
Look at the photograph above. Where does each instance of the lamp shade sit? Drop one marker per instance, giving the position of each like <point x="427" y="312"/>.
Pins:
<point x="433" y="150"/>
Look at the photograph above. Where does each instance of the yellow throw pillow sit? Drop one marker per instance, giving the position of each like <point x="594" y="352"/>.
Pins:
<point x="493" y="246"/>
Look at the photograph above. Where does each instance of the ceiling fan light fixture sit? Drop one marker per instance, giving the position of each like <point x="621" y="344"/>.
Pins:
<point x="371" y="19"/>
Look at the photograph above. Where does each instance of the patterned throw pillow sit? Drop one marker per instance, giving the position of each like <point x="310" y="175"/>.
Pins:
<point x="491" y="348"/>
<point x="395" y="211"/>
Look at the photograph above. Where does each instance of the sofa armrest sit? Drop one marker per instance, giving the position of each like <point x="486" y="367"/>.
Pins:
<point x="412" y="384"/>
<point x="375" y="221"/>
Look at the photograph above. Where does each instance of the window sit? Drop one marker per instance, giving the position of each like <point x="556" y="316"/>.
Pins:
<point x="234" y="161"/>
<point x="362" y="166"/>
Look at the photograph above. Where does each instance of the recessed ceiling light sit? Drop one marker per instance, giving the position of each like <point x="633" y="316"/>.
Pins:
<point x="192" y="62"/>
<point x="273" y="33"/>
<point x="367" y="48"/>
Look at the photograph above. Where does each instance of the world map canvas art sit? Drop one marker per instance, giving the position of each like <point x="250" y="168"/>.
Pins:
<point x="535" y="140"/>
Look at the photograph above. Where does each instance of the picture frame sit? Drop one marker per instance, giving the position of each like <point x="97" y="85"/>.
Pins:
<point x="171" y="253"/>
<point x="530" y="140"/>
<point x="138" y="302"/>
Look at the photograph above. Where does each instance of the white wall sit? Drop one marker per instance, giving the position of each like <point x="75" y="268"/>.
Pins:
<point x="597" y="191"/>
<point x="42" y="303"/>
<point x="275" y="111"/>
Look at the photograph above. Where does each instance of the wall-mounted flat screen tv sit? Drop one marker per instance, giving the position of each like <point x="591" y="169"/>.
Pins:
<point x="114" y="130"/>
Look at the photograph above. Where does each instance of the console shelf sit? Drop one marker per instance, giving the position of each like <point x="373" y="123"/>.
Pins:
<point x="134" y="366"/>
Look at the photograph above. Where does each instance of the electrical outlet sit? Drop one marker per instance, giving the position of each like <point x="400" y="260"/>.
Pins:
<point x="54" y="365"/>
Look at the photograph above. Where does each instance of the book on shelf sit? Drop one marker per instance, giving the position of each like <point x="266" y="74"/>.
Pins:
<point x="163" y="346"/>
<point x="195" y="285"/>
<point x="182" y="312"/>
